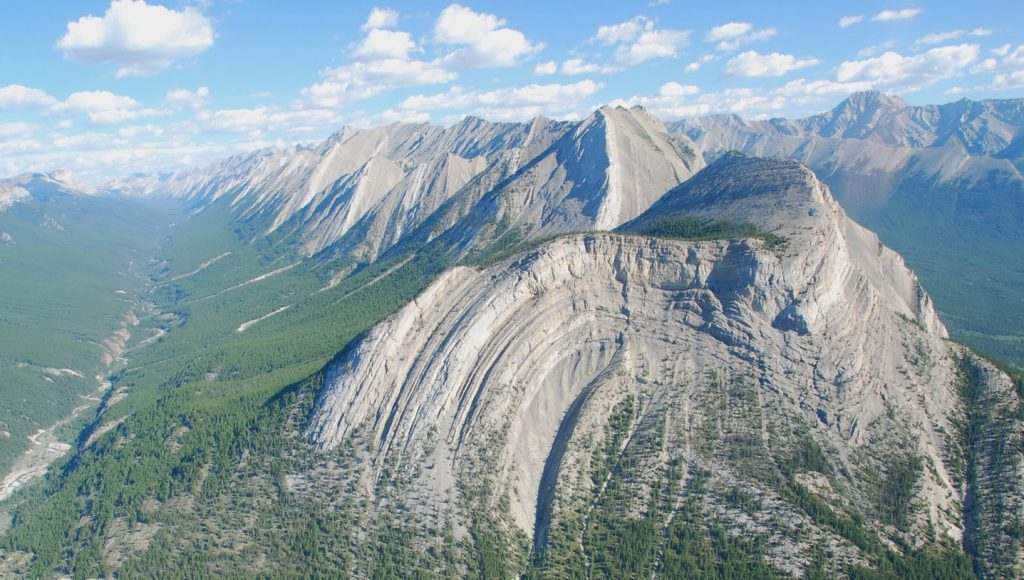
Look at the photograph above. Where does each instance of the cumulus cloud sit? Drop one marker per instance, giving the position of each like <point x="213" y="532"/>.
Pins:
<point x="572" y="66"/>
<point x="673" y="89"/>
<point x="382" y="62"/>
<point x="894" y="70"/>
<point x="732" y="35"/>
<point x="894" y="15"/>
<point x="104" y="107"/>
<point x="776" y="64"/>
<point x="627" y="31"/>
<point x="546" y="68"/>
<point x="639" y="40"/>
<point x="186" y="99"/>
<point x="142" y="39"/>
<point x="847" y="21"/>
<point x="481" y="39"/>
<point x="381" y="43"/>
<point x="728" y="30"/>
<point x="381" y="18"/>
<point x="695" y="65"/>
<point x="18" y="96"/>
<point x="577" y="66"/>
<point x="1009" y="68"/>
<point x="512" y="103"/>
<point x="17" y="129"/>
<point x="360" y="80"/>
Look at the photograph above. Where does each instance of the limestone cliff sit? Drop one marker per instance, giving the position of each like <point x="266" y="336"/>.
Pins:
<point x="613" y="373"/>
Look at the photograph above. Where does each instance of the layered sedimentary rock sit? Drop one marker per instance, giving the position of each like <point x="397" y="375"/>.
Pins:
<point x="720" y="361"/>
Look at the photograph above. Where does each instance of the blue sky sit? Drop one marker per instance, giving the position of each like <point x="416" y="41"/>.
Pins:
<point x="111" y="87"/>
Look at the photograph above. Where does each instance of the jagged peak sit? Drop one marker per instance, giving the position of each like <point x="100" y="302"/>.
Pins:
<point x="864" y="99"/>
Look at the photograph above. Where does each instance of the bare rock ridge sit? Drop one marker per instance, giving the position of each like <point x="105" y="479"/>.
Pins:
<point x="381" y="184"/>
<point x="605" y="171"/>
<point x="819" y="368"/>
<point x="871" y="143"/>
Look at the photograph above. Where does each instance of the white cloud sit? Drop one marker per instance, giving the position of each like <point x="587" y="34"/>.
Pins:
<point x="847" y="21"/>
<point x="653" y="44"/>
<point x="735" y="43"/>
<point x="893" y="70"/>
<point x="695" y="65"/>
<point x="755" y="64"/>
<point x="381" y="18"/>
<point x="940" y="37"/>
<point x="258" y="122"/>
<point x="1006" y="81"/>
<point x="184" y="98"/>
<point x="546" y="68"/>
<point x="894" y="15"/>
<point x="104" y="107"/>
<point x="627" y="31"/>
<point x="360" y="80"/>
<point x="732" y="35"/>
<point x="577" y="66"/>
<point x="728" y="30"/>
<point x="513" y="103"/>
<point x="672" y="103"/>
<point x="673" y="89"/>
<point x="1010" y="69"/>
<point x="380" y="43"/>
<point x="875" y="49"/>
<point x="17" y="129"/>
<point x="802" y="91"/>
<point x="482" y="39"/>
<point x="638" y="40"/>
<point x="18" y="96"/>
<point x="142" y="39"/>
<point x="381" y="63"/>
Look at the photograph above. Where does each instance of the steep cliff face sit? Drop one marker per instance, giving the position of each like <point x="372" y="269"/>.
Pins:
<point x="941" y="184"/>
<point x="606" y="379"/>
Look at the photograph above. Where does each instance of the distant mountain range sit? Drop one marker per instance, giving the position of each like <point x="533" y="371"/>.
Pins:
<point x="612" y="347"/>
<point x="942" y="184"/>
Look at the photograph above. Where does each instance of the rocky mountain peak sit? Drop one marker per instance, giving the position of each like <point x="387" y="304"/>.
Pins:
<point x="504" y="378"/>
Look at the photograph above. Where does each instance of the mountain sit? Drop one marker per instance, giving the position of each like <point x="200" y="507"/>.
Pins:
<point x="41" y="186"/>
<point x="318" y="193"/>
<point x="381" y="184"/>
<point x="942" y="184"/>
<point x="538" y="349"/>
<point x="605" y="383"/>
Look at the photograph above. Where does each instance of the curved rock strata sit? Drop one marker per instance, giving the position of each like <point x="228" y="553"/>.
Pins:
<point x="509" y="377"/>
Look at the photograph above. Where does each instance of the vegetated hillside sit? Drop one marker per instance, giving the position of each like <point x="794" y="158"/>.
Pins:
<point x="70" y="271"/>
<point x="741" y="381"/>
<point x="941" y="184"/>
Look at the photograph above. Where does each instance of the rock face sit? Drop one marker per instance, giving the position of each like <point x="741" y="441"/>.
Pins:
<point x="363" y="191"/>
<point x="868" y="144"/>
<point x="941" y="184"/>
<point x="615" y="374"/>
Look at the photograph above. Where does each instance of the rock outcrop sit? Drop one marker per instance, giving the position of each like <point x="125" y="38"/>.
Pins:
<point x="670" y="369"/>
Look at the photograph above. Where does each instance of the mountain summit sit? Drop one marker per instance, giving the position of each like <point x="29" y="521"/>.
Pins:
<point x="607" y="373"/>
